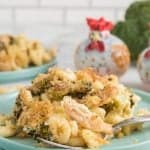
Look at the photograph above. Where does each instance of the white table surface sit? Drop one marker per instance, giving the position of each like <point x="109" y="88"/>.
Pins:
<point x="131" y="78"/>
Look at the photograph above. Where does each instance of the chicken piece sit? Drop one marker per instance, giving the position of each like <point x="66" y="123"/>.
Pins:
<point x="84" y="116"/>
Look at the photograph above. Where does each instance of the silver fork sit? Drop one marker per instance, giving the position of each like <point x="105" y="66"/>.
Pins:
<point x="130" y="121"/>
<point x="57" y="145"/>
<point x="116" y="127"/>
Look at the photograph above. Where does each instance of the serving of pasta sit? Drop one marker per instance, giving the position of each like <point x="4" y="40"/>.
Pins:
<point x="73" y="108"/>
<point x="17" y="52"/>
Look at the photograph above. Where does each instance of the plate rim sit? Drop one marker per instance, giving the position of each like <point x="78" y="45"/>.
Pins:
<point x="24" y="74"/>
<point x="9" y="94"/>
<point x="3" y="139"/>
<point x="26" y="69"/>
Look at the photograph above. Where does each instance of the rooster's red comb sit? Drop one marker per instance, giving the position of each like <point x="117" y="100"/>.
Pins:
<point x="100" y="24"/>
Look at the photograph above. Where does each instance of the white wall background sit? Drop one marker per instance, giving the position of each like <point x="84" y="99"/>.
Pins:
<point x="57" y="22"/>
<point x="43" y="18"/>
<point x="48" y="20"/>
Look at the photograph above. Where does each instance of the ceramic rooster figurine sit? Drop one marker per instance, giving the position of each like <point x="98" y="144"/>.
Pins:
<point x="101" y="50"/>
<point x="143" y="65"/>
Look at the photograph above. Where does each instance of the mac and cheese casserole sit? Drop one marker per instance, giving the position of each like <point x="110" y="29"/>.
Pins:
<point x="73" y="108"/>
<point x="17" y="52"/>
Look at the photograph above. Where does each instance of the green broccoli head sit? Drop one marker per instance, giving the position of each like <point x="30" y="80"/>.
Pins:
<point x="134" y="30"/>
<point x="141" y="12"/>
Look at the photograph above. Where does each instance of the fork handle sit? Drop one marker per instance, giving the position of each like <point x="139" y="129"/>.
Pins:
<point x="53" y="144"/>
<point x="133" y="120"/>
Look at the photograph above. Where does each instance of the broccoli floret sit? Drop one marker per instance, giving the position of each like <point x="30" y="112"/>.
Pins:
<point x="134" y="31"/>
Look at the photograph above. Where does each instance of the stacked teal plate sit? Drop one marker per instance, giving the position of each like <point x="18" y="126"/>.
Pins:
<point x="25" y="74"/>
<point x="138" y="140"/>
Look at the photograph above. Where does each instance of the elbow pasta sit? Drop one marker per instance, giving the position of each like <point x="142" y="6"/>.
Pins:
<point x="74" y="108"/>
<point x="17" y="52"/>
<point x="7" y="128"/>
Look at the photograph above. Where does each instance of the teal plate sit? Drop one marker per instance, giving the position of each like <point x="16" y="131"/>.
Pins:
<point x="138" y="140"/>
<point x="25" y="74"/>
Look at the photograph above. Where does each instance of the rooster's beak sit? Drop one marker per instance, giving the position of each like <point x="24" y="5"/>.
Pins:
<point x="95" y="36"/>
